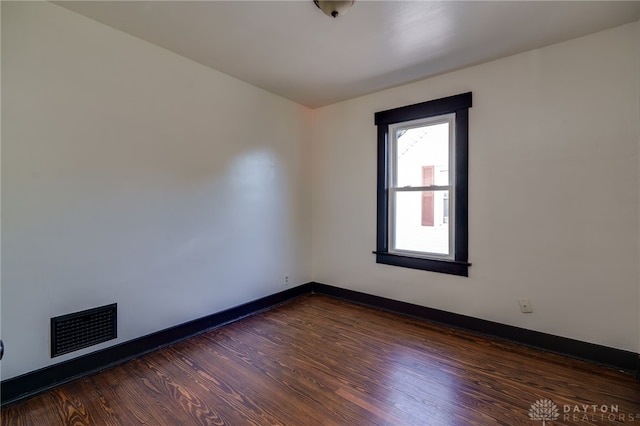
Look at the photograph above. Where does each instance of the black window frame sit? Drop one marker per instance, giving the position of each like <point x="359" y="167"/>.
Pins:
<point x="458" y="105"/>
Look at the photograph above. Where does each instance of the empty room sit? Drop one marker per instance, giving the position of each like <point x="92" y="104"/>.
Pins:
<point x="320" y="213"/>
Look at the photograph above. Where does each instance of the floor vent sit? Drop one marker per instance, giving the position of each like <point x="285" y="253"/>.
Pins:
<point x="83" y="329"/>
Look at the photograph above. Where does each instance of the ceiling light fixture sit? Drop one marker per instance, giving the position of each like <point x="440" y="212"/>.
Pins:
<point x="334" y="8"/>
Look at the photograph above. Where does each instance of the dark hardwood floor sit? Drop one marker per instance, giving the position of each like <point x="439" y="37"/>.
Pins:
<point x="322" y="361"/>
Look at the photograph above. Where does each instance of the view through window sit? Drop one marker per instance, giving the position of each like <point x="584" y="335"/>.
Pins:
<point x="420" y="186"/>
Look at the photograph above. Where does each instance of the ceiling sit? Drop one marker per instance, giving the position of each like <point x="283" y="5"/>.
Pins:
<point x="292" y="49"/>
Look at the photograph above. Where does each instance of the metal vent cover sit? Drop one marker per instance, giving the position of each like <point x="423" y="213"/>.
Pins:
<point x="83" y="329"/>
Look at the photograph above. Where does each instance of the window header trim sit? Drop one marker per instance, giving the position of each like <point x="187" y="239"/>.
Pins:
<point x="424" y="109"/>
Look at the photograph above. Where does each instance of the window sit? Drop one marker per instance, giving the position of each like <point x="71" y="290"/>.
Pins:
<point x="422" y="185"/>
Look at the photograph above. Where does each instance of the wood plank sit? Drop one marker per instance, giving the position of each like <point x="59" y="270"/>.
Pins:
<point x="320" y="360"/>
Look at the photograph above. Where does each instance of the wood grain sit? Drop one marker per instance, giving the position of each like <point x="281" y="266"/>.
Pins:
<point x="322" y="361"/>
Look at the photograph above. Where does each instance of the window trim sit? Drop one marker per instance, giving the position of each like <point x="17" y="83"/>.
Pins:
<point x="459" y="105"/>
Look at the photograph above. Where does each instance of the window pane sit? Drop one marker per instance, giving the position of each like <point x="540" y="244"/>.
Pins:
<point x="422" y="221"/>
<point x="422" y="155"/>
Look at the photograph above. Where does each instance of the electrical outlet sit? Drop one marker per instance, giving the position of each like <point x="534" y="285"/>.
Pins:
<point x="286" y="280"/>
<point x="525" y="306"/>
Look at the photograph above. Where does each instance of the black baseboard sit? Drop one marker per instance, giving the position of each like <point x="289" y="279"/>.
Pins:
<point x="32" y="383"/>
<point x="604" y="355"/>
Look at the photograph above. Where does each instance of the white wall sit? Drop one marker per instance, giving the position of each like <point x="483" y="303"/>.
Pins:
<point x="554" y="192"/>
<point x="133" y="175"/>
<point x="638" y="43"/>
